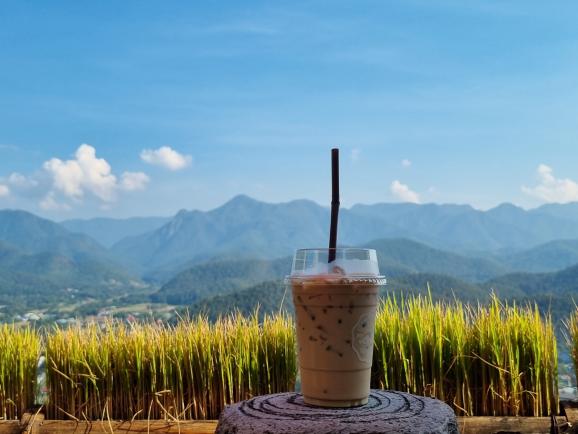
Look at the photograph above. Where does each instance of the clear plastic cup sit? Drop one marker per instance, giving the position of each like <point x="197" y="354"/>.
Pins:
<point x="335" y="306"/>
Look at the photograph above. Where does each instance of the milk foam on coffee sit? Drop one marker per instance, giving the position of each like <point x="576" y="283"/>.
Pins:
<point x="335" y="305"/>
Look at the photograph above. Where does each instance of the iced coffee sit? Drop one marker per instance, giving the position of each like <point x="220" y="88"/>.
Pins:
<point x="335" y="306"/>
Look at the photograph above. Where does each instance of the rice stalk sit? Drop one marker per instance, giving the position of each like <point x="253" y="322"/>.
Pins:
<point x="494" y="360"/>
<point x="19" y="353"/>
<point x="151" y="371"/>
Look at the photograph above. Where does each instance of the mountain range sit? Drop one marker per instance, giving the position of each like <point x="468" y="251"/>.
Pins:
<point x="245" y="243"/>
<point x="109" y="231"/>
<point x="219" y="286"/>
<point x="42" y="263"/>
<point x="245" y="227"/>
<point x="554" y="292"/>
<point x="219" y="277"/>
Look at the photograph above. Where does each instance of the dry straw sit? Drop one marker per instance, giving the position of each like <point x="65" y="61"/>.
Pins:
<point x="495" y="360"/>
<point x="19" y="352"/>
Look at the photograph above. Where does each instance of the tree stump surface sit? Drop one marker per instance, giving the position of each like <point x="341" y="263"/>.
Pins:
<point x="386" y="412"/>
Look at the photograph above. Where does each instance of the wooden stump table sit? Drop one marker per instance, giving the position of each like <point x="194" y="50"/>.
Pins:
<point x="385" y="412"/>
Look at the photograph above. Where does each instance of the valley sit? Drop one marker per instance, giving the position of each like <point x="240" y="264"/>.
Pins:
<point x="235" y="257"/>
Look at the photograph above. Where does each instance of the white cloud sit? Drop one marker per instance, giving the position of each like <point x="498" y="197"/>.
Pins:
<point x="166" y="157"/>
<point x="20" y="181"/>
<point x="64" y="183"/>
<point x="403" y="192"/>
<point x="84" y="176"/>
<point x="131" y="181"/>
<point x="551" y="189"/>
<point x="49" y="203"/>
<point x="4" y="190"/>
<point x="85" y="173"/>
<point x="405" y="162"/>
<point x="355" y="152"/>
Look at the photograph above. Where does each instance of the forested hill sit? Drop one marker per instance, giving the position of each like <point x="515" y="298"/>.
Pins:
<point x="248" y="228"/>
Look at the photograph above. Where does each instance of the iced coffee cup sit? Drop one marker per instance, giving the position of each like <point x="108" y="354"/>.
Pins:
<point x="335" y="306"/>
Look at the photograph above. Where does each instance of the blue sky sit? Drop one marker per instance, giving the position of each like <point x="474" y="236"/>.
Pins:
<point x="447" y="101"/>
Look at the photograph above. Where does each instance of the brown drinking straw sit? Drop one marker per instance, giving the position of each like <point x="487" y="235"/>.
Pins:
<point x="334" y="203"/>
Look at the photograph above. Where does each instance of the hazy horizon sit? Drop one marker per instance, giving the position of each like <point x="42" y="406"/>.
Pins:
<point x="326" y="205"/>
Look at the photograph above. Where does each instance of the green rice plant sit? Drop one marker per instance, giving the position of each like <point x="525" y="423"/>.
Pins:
<point x="150" y="371"/>
<point x="495" y="360"/>
<point x="19" y="352"/>
<point x="570" y="333"/>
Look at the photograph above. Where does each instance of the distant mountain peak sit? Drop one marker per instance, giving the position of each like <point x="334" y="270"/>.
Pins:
<point x="239" y="202"/>
<point x="181" y="213"/>
<point x="241" y="199"/>
<point x="302" y="202"/>
<point x="506" y="206"/>
<point x="22" y="213"/>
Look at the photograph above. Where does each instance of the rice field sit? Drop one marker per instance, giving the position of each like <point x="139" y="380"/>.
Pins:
<point x="150" y="371"/>
<point x="493" y="360"/>
<point x="570" y="333"/>
<point x="19" y="352"/>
